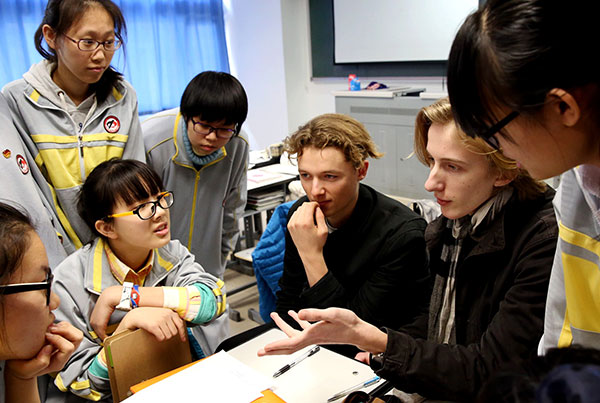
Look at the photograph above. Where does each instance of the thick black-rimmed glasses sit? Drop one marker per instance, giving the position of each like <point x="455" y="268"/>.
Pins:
<point x="147" y="210"/>
<point x="490" y="134"/>
<point x="89" y="45"/>
<point x="221" y="132"/>
<point x="25" y="287"/>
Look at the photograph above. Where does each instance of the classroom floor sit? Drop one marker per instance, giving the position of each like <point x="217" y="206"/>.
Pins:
<point x="241" y="301"/>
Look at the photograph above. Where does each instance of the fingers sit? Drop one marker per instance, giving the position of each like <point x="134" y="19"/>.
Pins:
<point x="363" y="357"/>
<point x="313" y="315"/>
<point x="281" y="347"/>
<point x="67" y="331"/>
<point x="304" y="216"/>
<point x="282" y="324"/>
<point x="63" y="349"/>
<point x="320" y="218"/>
<point x="162" y="323"/>
<point x="171" y="327"/>
<point x="304" y="324"/>
<point x="99" y="321"/>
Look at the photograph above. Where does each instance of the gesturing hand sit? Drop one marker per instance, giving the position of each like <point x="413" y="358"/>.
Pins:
<point x="333" y="326"/>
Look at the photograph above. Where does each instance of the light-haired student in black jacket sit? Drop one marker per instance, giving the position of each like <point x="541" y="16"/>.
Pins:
<point x="491" y="252"/>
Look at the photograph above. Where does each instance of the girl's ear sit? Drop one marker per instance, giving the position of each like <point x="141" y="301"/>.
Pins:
<point x="105" y="229"/>
<point x="49" y="36"/>
<point x="565" y="107"/>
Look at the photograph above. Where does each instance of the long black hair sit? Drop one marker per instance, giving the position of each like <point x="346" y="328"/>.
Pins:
<point x="510" y="53"/>
<point x="60" y="16"/>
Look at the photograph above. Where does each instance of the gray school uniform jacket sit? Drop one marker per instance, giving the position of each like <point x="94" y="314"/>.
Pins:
<point x="19" y="189"/>
<point x="573" y="304"/>
<point x="66" y="151"/>
<point x="208" y="201"/>
<point x="80" y="280"/>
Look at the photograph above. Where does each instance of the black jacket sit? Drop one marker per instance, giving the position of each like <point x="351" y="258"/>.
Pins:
<point x="377" y="264"/>
<point x="501" y="287"/>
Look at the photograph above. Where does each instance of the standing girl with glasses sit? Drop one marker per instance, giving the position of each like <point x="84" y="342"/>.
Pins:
<point x="74" y="110"/>
<point x="31" y="344"/>
<point x="535" y="60"/>
<point x="132" y="276"/>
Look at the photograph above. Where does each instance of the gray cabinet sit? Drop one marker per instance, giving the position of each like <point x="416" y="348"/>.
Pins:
<point x="391" y="123"/>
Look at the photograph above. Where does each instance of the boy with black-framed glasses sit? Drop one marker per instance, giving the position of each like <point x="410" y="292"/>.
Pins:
<point x="201" y="155"/>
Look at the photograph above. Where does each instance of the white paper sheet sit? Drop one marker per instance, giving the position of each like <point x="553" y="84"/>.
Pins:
<point x="217" y="378"/>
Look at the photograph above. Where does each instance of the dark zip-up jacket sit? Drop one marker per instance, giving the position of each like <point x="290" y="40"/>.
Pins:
<point x="377" y="265"/>
<point x="501" y="286"/>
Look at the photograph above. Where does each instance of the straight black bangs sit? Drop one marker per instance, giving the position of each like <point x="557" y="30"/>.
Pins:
<point x="130" y="181"/>
<point x="213" y="97"/>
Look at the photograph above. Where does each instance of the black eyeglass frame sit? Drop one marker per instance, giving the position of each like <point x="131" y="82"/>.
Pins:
<point x="8" y="289"/>
<point x="117" y="43"/>
<point x="155" y="203"/>
<point x="232" y="132"/>
<point x="490" y="134"/>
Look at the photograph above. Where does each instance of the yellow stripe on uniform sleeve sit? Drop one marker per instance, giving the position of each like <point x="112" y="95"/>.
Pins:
<point x="221" y="297"/>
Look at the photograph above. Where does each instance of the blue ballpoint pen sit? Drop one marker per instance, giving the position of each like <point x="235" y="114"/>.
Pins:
<point x="354" y="388"/>
<point x="286" y="367"/>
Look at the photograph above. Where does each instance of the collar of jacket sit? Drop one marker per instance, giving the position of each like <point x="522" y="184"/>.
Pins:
<point x="180" y="157"/>
<point x="114" y="98"/>
<point x="490" y="240"/>
<point x="493" y="239"/>
<point x="98" y="276"/>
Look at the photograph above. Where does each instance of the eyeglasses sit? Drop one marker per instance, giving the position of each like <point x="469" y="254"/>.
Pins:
<point x="89" y="45"/>
<point x="490" y="134"/>
<point x="25" y="287"/>
<point x="221" y="132"/>
<point x="147" y="210"/>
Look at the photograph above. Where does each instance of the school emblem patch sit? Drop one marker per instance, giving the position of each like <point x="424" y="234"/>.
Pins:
<point x="22" y="163"/>
<point x="6" y="153"/>
<point x="112" y="124"/>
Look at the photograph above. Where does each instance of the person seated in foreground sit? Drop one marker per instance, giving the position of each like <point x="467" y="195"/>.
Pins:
<point x="132" y="276"/>
<point x="31" y="343"/>
<point x="348" y="245"/>
<point x="491" y="252"/>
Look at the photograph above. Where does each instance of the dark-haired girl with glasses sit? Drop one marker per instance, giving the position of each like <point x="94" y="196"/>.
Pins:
<point x="523" y="73"/>
<point x="31" y="344"/>
<point x="132" y="276"/>
<point x="73" y="110"/>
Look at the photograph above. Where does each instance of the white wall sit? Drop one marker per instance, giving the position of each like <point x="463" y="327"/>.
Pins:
<point x="269" y="50"/>
<point x="255" y="45"/>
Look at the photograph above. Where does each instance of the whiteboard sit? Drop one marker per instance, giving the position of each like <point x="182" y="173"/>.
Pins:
<point x="397" y="30"/>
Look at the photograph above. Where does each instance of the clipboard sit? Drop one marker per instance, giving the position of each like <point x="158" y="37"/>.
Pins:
<point x="315" y="379"/>
<point x="135" y="356"/>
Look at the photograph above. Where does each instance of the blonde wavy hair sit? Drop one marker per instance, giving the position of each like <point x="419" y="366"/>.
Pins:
<point x="334" y="130"/>
<point x="440" y="112"/>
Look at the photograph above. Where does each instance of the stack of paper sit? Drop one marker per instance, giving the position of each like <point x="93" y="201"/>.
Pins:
<point x="265" y="200"/>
